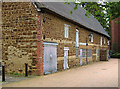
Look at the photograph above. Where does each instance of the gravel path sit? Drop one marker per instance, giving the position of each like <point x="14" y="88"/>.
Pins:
<point x="99" y="74"/>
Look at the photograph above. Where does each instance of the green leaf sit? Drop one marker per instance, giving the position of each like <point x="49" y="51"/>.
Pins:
<point x="71" y="12"/>
<point x="68" y="3"/>
<point x="65" y="2"/>
<point x="75" y="8"/>
<point x="102" y="14"/>
<point x="85" y="14"/>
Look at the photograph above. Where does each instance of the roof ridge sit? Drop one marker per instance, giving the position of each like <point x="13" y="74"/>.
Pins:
<point x="59" y="8"/>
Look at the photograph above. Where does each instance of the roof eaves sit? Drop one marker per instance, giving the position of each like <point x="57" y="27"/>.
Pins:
<point x="41" y="5"/>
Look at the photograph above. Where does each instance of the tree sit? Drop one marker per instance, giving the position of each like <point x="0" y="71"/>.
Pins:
<point x="97" y="11"/>
<point x="103" y="12"/>
<point x="112" y="9"/>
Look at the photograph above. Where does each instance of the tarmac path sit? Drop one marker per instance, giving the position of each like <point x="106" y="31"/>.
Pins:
<point x="98" y="74"/>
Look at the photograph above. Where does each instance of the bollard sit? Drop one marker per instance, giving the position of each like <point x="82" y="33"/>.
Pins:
<point x="26" y="69"/>
<point x="3" y="73"/>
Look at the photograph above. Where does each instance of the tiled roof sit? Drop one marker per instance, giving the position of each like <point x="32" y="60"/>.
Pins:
<point x="77" y="16"/>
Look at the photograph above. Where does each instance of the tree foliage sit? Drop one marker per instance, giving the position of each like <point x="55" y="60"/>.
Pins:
<point x="103" y="12"/>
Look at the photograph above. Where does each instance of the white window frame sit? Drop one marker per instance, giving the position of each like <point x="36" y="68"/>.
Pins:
<point x="108" y="42"/>
<point x="101" y="41"/>
<point x="91" y="37"/>
<point x="77" y="38"/>
<point x="66" y="30"/>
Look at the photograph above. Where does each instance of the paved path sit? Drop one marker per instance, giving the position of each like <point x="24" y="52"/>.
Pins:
<point x="99" y="74"/>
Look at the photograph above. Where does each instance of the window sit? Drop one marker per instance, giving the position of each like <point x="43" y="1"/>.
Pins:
<point x="91" y="37"/>
<point x="83" y="52"/>
<point x="89" y="52"/>
<point x="77" y="38"/>
<point x="101" y="41"/>
<point x="66" y="30"/>
<point x="76" y="52"/>
<point x="104" y="41"/>
<point x="108" y="42"/>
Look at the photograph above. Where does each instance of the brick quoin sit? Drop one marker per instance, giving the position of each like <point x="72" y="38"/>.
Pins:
<point x="40" y="48"/>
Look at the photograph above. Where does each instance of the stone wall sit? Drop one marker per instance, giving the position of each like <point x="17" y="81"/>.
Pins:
<point x="22" y="32"/>
<point x="19" y="33"/>
<point x="53" y="29"/>
<point x="0" y="32"/>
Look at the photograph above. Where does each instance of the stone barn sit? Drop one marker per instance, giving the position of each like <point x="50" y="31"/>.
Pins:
<point x="47" y="37"/>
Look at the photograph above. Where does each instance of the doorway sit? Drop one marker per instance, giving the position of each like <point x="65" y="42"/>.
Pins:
<point x="50" y="58"/>
<point x="66" y="57"/>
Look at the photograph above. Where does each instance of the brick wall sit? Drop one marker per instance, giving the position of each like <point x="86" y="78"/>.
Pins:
<point x="115" y="43"/>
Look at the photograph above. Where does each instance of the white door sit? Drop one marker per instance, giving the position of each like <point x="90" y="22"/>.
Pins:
<point x="81" y="57"/>
<point x="66" y="59"/>
<point x="50" y="59"/>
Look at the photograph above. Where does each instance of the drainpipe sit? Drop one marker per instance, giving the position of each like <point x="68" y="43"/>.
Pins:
<point x="86" y="51"/>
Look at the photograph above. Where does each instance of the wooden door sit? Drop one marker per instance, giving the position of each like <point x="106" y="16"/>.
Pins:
<point x="66" y="59"/>
<point x="50" y="59"/>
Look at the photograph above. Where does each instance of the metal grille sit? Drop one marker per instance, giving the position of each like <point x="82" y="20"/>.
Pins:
<point x="89" y="52"/>
<point x="76" y="52"/>
<point x="83" y="53"/>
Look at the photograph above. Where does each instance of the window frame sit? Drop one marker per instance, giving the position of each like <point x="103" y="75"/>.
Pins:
<point x="108" y="42"/>
<point x="66" y="31"/>
<point x="91" y="37"/>
<point x="77" y="40"/>
<point x="101" y="41"/>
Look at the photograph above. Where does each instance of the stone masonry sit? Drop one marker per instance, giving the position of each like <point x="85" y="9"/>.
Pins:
<point x="22" y="32"/>
<point x="53" y="29"/>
